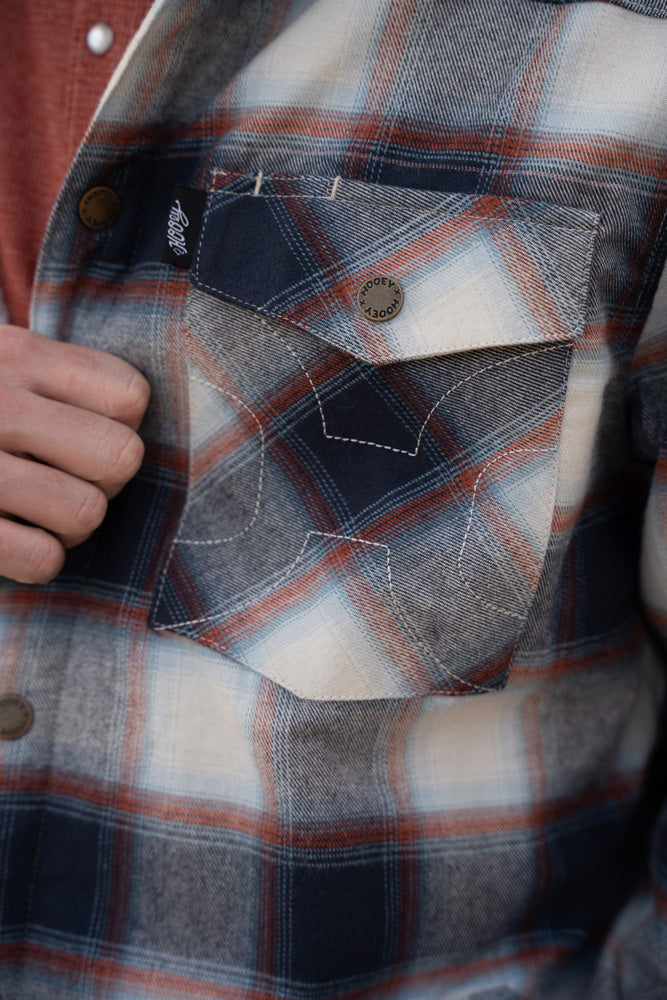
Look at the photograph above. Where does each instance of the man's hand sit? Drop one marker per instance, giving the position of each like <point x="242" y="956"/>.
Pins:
<point x="68" y="443"/>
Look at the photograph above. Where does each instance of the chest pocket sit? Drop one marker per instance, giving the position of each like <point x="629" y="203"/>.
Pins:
<point x="369" y="503"/>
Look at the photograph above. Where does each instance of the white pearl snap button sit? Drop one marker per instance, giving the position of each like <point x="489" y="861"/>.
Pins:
<point x="100" y="38"/>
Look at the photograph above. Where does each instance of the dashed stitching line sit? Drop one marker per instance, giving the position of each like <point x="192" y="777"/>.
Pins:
<point x="436" y="162"/>
<point x="304" y="256"/>
<point x="480" y="220"/>
<point x="186" y="541"/>
<point x="488" y="604"/>
<point x="353" y="264"/>
<point x="456" y="346"/>
<point x="275" y="586"/>
<point x="413" y="454"/>
<point x="554" y="474"/>
<point x="386" y="447"/>
<point x="522" y="207"/>
<point x="324" y="273"/>
<point x="448" y="214"/>
<point x="260" y="481"/>
<point x="296" y="250"/>
<point x="272" y="588"/>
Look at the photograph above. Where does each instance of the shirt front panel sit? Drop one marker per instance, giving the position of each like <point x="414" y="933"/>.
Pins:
<point x="235" y="837"/>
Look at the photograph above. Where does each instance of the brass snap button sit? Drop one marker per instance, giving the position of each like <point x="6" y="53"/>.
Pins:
<point x="380" y="298"/>
<point x="99" y="208"/>
<point x="15" y="717"/>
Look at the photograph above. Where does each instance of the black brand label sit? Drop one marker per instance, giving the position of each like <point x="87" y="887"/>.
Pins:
<point x="183" y="225"/>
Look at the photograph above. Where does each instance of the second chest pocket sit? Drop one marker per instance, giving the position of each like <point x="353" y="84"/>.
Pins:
<point x="369" y="503"/>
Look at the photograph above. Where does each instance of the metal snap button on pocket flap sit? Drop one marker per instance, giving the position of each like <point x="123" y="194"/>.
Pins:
<point x="380" y="298"/>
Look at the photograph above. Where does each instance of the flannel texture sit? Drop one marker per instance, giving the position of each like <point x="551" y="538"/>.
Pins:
<point x="356" y="693"/>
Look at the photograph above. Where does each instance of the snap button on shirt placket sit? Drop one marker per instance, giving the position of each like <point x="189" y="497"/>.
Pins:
<point x="99" y="208"/>
<point x="16" y="717"/>
<point x="100" y="38"/>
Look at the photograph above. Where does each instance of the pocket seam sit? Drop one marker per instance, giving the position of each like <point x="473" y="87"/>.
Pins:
<point x="278" y="679"/>
<point x="260" y="478"/>
<point x="348" y="199"/>
<point x="466" y="583"/>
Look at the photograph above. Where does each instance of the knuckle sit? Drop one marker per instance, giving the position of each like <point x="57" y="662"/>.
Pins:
<point x="8" y="405"/>
<point x="135" y="398"/>
<point x="15" y="344"/>
<point x="90" y="510"/>
<point x="44" y="558"/>
<point x="126" y="455"/>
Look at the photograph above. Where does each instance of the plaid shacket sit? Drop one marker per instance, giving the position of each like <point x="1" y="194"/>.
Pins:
<point x="356" y="692"/>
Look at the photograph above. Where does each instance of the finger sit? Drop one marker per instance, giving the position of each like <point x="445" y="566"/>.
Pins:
<point x="28" y="554"/>
<point x="50" y="499"/>
<point x="74" y="440"/>
<point x="71" y="373"/>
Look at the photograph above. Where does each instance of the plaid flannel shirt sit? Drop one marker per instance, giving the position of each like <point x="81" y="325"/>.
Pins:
<point x="356" y="691"/>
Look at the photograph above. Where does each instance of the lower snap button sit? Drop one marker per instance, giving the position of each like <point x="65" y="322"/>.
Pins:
<point x="16" y="717"/>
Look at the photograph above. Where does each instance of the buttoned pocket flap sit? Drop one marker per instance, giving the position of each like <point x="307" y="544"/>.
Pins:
<point x="474" y="272"/>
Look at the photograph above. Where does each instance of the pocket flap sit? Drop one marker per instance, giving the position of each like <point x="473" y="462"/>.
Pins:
<point x="475" y="271"/>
